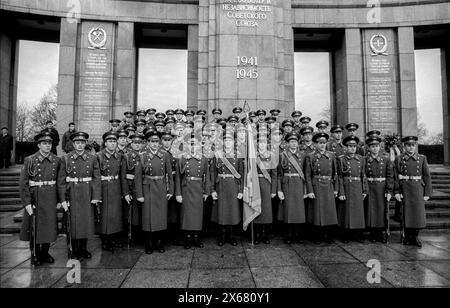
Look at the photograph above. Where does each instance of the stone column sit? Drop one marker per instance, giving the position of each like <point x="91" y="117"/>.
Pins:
<point x="125" y="70"/>
<point x="65" y="110"/>
<point x="192" y="67"/>
<point x="8" y="85"/>
<point x="445" y="71"/>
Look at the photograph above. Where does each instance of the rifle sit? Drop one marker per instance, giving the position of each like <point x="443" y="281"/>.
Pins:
<point x="33" y="237"/>
<point x="69" y="233"/>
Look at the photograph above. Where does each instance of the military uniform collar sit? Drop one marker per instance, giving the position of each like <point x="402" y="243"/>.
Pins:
<point x="319" y="155"/>
<point x="350" y="156"/>
<point x="196" y="156"/>
<point x="41" y="157"/>
<point x="377" y="158"/>
<point x="413" y="156"/>
<point x="109" y="155"/>
<point x="83" y="155"/>
<point x="265" y="155"/>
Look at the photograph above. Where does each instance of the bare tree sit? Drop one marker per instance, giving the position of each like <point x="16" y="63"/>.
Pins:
<point x="45" y="110"/>
<point x="325" y="114"/>
<point x="23" y="129"/>
<point x="422" y="131"/>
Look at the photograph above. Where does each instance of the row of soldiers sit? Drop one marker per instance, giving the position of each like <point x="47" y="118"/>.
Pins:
<point x="146" y="181"/>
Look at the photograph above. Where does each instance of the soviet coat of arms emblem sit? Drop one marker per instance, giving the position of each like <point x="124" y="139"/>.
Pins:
<point x="97" y="38"/>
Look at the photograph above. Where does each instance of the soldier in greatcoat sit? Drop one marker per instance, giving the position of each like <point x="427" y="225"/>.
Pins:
<point x="335" y="145"/>
<point x="83" y="192"/>
<point x="322" y="188"/>
<point x="266" y="163"/>
<point x="130" y="160"/>
<point x="114" y="187"/>
<point x="380" y="181"/>
<point x="42" y="186"/>
<point x="291" y="189"/>
<point x="154" y="187"/>
<point x="307" y="145"/>
<point x="352" y="191"/>
<point x="412" y="188"/>
<point x="227" y="189"/>
<point x="192" y="189"/>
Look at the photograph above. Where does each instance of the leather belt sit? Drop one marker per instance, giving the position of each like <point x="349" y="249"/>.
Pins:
<point x="110" y="178"/>
<point x="376" y="179"/>
<point x="77" y="180"/>
<point x="224" y="175"/>
<point x="352" y="178"/>
<point x="41" y="183"/>
<point x="291" y="175"/>
<point x="194" y="178"/>
<point x="323" y="177"/>
<point x="130" y="176"/>
<point x="155" y="177"/>
<point x="411" y="178"/>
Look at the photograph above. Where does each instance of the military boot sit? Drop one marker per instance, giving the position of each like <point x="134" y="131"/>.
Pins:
<point x="222" y="235"/>
<point x="197" y="242"/>
<point x="187" y="241"/>
<point x="45" y="256"/>
<point x="83" y="252"/>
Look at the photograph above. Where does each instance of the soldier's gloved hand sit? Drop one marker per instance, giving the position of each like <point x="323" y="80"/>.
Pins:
<point x="273" y="195"/>
<point x="205" y="197"/>
<point x="312" y="196"/>
<point x="65" y="205"/>
<point x="364" y="196"/>
<point x="342" y="198"/>
<point x="29" y="209"/>
<point x="426" y="198"/>
<point x="388" y="197"/>
<point x="214" y="195"/>
<point x="169" y="196"/>
<point x="335" y="194"/>
<point x="128" y="198"/>
<point x="140" y="199"/>
<point x="398" y="197"/>
<point x="239" y="196"/>
<point x="281" y="195"/>
<point x="179" y="199"/>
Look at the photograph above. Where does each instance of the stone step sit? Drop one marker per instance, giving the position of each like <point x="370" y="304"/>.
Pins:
<point x="440" y="181"/>
<point x="440" y="186"/>
<point x="444" y="190"/>
<point x="6" y="178"/>
<point x="10" y="207"/>
<point x="9" y="183"/>
<point x="439" y="195"/>
<point x="9" y="188"/>
<point x="432" y="224"/>
<point x="9" y="201"/>
<point x="9" y="194"/>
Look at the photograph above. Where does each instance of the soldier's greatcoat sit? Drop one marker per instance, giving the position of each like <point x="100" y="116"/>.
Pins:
<point x="413" y="190"/>
<point x="173" y="211"/>
<point x="292" y="183"/>
<point x="153" y="182"/>
<point x="352" y="185"/>
<point x="267" y="185"/>
<point x="337" y="148"/>
<point x="131" y="159"/>
<point x="192" y="182"/>
<point x="308" y="149"/>
<point x="111" y="219"/>
<point x="322" y="180"/>
<point x="226" y="210"/>
<point x="380" y="181"/>
<point x="40" y="169"/>
<point x="80" y="194"/>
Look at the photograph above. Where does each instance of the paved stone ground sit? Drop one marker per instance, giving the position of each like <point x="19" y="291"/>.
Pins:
<point x="275" y="265"/>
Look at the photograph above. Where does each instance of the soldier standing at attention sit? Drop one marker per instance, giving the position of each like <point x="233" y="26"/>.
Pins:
<point x="227" y="189"/>
<point x="322" y="187"/>
<point x="322" y="126"/>
<point x="115" y="125"/>
<point x="412" y="188"/>
<point x="154" y="187"/>
<point x="67" y="145"/>
<point x="51" y="129"/>
<point x="41" y="188"/>
<point x="131" y="159"/>
<point x="291" y="189"/>
<point x="352" y="191"/>
<point x="267" y="172"/>
<point x="380" y="179"/>
<point x="335" y="145"/>
<point x="122" y="142"/>
<point x="192" y="189"/>
<point x="114" y="186"/>
<point x="83" y="192"/>
<point x="305" y="121"/>
<point x="296" y="115"/>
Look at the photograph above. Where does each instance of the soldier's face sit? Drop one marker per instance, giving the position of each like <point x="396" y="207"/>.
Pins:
<point x="4" y="131"/>
<point x="261" y="117"/>
<point x="154" y="144"/>
<point x="71" y="127"/>
<point x="297" y="119"/>
<point x="321" y="145"/>
<point x="337" y="135"/>
<point x="216" y="115"/>
<point x="321" y="129"/>
<point x="178" y="116"/>
<point x="79" y="145"/>
<point x="123" y="141"/>
<point x="262" y="146"/>
<point x="115" y="128"/>
<point x="293" y="144"/>
<point x="374" y="148"/>
<point x="136" y="145"/>
<point x="140" y="128"/>
<point x="111" y="144"/>
<point x="228" y="143"/>
<point x="352" y="132"/>
<point x="351" y="148"/>
<point x="277" y="137"/>
<point x="45" y="146"/>
<point x="410" y="147"/>
<point x="166" y="142"/>
<point x="288" y="129"/>
<point x="307" y="137"/>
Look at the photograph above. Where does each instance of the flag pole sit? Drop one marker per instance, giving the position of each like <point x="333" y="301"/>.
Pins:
<point x="246" y="109"/>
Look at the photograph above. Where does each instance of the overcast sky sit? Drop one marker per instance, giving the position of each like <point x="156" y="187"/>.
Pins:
<point x="162" y="79"/>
